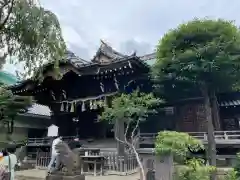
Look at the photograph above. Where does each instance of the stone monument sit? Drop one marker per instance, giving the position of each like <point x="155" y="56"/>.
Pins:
<point x="70" y="164"/>
<point x="156" y="167"/>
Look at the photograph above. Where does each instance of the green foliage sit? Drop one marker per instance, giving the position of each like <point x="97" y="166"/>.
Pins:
<point x="231" y="175"/>
<point x="200" y="51"/>
<point x="11" y="105"/>
<point x="30" y="33"/>
<point x="237" y="165"/>
<point x="194" y="170"/>
<point x="176" y="143"/>
<point x="130" y="107"/>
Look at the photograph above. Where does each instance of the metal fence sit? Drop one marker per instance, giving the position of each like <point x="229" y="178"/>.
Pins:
<point x="112" y="165"/>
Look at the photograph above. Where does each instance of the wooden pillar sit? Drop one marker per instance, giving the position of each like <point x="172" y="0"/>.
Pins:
<point x="119" y="134"/>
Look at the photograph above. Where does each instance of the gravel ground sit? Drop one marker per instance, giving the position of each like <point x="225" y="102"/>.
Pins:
<point x="36" y="174"/>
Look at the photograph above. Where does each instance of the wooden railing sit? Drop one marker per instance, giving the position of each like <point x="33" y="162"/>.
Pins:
<point x="47" y="140"/>
<point x="219" y="135"/>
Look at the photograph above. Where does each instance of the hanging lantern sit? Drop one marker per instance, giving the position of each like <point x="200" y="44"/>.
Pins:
<point x="116" y="83"/>
<point x="102" y="86"/>
<point x="53" y="95"/>
<point x="66" y="107"/>
<point x="101" y="103"/>
<point x="62" y="107"/>
<point x="95" y="106"/>
<point x="64" y="94"/>
<point x="91" y="104"/>
<point x="83" y="106"/>
<point x="105" y="101"/>
<point x="72" y="107"/>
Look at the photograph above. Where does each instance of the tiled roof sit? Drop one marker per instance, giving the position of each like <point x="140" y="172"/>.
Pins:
<point x="147" y="57"/>
<point x="70" y="56"/>
<point x="38" y="109"/>
<point x="150" y="59"/>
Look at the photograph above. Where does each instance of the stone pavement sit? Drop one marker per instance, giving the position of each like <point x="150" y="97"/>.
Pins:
<point x="36" y="174"/>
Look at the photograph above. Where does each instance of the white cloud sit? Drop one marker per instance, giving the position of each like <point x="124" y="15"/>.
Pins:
<point x="144" y="21"/>
<point x="126" y="24"/>
<point x="72" y="36"/>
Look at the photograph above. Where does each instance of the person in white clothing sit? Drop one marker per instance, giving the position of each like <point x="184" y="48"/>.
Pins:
<point x="10" y="161"/>
<point x="54" y="163"/>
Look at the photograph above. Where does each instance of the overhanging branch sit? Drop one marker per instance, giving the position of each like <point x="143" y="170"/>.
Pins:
<point x="10" y="5"/>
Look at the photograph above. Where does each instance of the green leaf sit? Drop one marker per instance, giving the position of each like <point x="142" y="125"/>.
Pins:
<point x="176" y="143"/>
<point x="199" y="51"/>
<point x="130" y="107"/>
<point x="31" y="35"/>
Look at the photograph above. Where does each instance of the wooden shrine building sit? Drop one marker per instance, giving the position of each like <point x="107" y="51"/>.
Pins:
<point x="77" y="97"/>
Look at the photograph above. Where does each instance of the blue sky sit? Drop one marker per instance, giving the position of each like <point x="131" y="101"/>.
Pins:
<point x="129" y="25"/>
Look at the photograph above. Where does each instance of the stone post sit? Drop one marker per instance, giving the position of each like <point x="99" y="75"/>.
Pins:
<point x="164" y="167"/>
<point x="147" y="159"/>
<point x="156" y="167"/>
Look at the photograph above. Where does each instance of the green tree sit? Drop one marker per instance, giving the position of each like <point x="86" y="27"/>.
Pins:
<point x="167" y="142"/>
<point x="194" y="169"/>
<point x="178" y="145"/>
<point x="204" y="53"/>
<point x="10" y="106"/>
<point x="237" y="165"/>
<point x="30" y="34"/>
<point x="130" y="110"/>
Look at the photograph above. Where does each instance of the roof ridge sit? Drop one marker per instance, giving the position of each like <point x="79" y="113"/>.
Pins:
<point x="148" y="56"/>
<point x="110" y="47"/>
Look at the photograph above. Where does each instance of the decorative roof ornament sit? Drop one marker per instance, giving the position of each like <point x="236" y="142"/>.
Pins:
<point x="107" y="51"/>
<point x="134" y="53"/>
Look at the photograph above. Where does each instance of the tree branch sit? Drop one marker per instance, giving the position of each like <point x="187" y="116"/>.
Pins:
<point x="8" y="15"/>
<point x="125" y="135"/>
<point x="134" y="130"/>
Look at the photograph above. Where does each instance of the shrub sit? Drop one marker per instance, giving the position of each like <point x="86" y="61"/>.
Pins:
<point x="194" y="170"/>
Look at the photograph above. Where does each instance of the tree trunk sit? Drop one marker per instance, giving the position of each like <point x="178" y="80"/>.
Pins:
<point x="215" y="110"/>
<point x="142" y="173"/>
<point x="120" y="136"/>
<point x="211" y="150"/>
